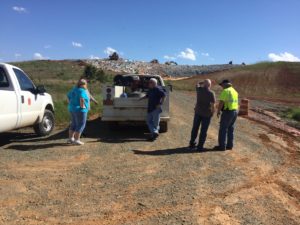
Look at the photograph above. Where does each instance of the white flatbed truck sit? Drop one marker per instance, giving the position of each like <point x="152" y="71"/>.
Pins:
<point x="120" y="107"/>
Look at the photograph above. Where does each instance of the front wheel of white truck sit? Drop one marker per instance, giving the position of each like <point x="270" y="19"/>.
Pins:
<point x="46" y="126"/>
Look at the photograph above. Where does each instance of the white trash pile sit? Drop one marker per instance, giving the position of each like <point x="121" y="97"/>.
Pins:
<point x="140" y="67"/>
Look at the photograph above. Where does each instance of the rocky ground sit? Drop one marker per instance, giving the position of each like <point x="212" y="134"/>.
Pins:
<point x="127" y="66"/>
<point x="119" y="178"/>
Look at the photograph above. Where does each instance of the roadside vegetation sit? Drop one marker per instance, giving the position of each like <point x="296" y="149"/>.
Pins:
<point x="293" y="113"/>
<point x="59" y="77"/>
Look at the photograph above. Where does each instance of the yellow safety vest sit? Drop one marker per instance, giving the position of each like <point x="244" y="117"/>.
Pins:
<point x="230" y="97"/>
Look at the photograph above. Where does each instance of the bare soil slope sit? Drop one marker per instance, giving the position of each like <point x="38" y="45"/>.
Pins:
<point x="119" y="178"/>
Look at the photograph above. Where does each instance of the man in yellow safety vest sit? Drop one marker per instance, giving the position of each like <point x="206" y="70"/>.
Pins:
<point x="228" y="105"/>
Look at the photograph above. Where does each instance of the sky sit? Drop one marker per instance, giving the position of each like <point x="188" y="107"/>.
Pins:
<point x="185" y="31"/>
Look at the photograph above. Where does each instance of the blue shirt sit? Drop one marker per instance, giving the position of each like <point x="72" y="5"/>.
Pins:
<point x="154" y="97"/>
<point x="74" y="97"/>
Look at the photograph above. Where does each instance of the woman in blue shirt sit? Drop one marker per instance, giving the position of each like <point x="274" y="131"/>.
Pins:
<point x="79" y="104"/>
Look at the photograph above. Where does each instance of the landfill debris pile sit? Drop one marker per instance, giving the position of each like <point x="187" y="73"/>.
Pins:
<point x="141" y="67"/>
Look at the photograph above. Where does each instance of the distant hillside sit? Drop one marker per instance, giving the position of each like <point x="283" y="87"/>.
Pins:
<point x="270" y="80"/>
<point x="52" y="69"/>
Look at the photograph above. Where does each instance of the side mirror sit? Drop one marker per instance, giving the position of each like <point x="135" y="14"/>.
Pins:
<point x="40" y="89"/>
<point x="170" y="87"/>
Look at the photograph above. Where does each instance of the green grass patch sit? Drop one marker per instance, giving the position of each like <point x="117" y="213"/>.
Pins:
<point x="62" y="115"/>
<point x="293" y="113"/>
<point x="46" y="69"/>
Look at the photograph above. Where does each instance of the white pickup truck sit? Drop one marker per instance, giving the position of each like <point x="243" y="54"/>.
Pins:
<point x="22" y="103"/>
<point x="121" y="102"/>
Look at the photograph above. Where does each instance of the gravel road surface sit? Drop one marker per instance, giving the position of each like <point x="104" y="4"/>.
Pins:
<point x="119" y="178"/>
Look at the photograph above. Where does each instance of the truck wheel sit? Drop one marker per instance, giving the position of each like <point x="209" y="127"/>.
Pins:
<point x="46" y="126"/>
<point x="163" y="127"/>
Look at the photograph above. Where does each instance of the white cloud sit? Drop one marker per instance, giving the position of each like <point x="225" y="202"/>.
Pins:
<point x="19" y="9"/>
<point x="47" y="46"/>
<point x="94" y="57"/>
<point x="169" y="57"/>
<point x="76" y="44"/>
<point x="38" y="56"/>
<point x="189" y="54"/>
<point x="17" y="55"/>
<point x="205" y="54"/>
<point x="109" y="50"/>
<point x="288" y="57"/>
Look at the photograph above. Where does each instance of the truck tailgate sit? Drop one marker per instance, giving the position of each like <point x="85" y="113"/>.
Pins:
<point x="129" y="103"/>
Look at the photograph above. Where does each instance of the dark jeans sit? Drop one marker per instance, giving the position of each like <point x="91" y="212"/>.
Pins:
<point x="204" y="121"/>
<point x="227" y="123"/>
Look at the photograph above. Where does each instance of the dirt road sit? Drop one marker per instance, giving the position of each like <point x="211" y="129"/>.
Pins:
<point x="119" y="178"/>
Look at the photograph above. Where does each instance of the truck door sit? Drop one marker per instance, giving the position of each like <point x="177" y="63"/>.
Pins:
<point x="8" y="103"/>
<point x="31" y="102"/>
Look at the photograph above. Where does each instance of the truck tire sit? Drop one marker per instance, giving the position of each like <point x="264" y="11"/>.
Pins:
<point x="163" y="127"/>
<point x="46" y="126"/>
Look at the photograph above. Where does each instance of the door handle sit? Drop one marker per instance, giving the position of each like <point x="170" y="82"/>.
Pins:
<point x="22" y="99"/>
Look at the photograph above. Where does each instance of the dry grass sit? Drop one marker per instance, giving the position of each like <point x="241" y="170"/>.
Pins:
<point x="279" y="80"/>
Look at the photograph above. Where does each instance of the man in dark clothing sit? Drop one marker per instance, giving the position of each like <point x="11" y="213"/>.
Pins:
<point x="204" y="111"/>
<point x="156" y="97"/>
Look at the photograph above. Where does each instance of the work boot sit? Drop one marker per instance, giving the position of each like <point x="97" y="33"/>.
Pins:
<point x="200" y="148"/>
<point x="192" y="146"/>
<point x="219" y="148"/>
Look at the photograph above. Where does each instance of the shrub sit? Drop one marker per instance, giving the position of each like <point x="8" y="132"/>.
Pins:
<point x="90" y="72"/>
<point x="294" y="113"/>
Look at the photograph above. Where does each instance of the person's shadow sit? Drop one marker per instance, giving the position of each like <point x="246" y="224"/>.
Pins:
<point x="169" y="151"/>
<point x="108" y="132"/>
<point x="95" y="129"/>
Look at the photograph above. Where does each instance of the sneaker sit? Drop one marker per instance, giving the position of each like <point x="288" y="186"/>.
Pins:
<point x="78" y="142"/>
<point x="219" y="148"/>
<point x="153" y="137"/>
<point x="70" y="141"/>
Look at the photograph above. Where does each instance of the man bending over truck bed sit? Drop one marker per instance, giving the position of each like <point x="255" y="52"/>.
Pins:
<point x="156" y="97"/>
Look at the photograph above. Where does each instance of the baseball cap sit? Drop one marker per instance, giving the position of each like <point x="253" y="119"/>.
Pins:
<point x="226" y="81"/>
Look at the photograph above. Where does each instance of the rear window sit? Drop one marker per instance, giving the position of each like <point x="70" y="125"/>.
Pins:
<point x="4" y="83"/>
<point x="142" y="83"/>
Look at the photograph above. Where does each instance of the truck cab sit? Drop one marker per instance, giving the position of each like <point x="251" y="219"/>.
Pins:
<point x="22" y="103"/>
<point x="122" y="104"/>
